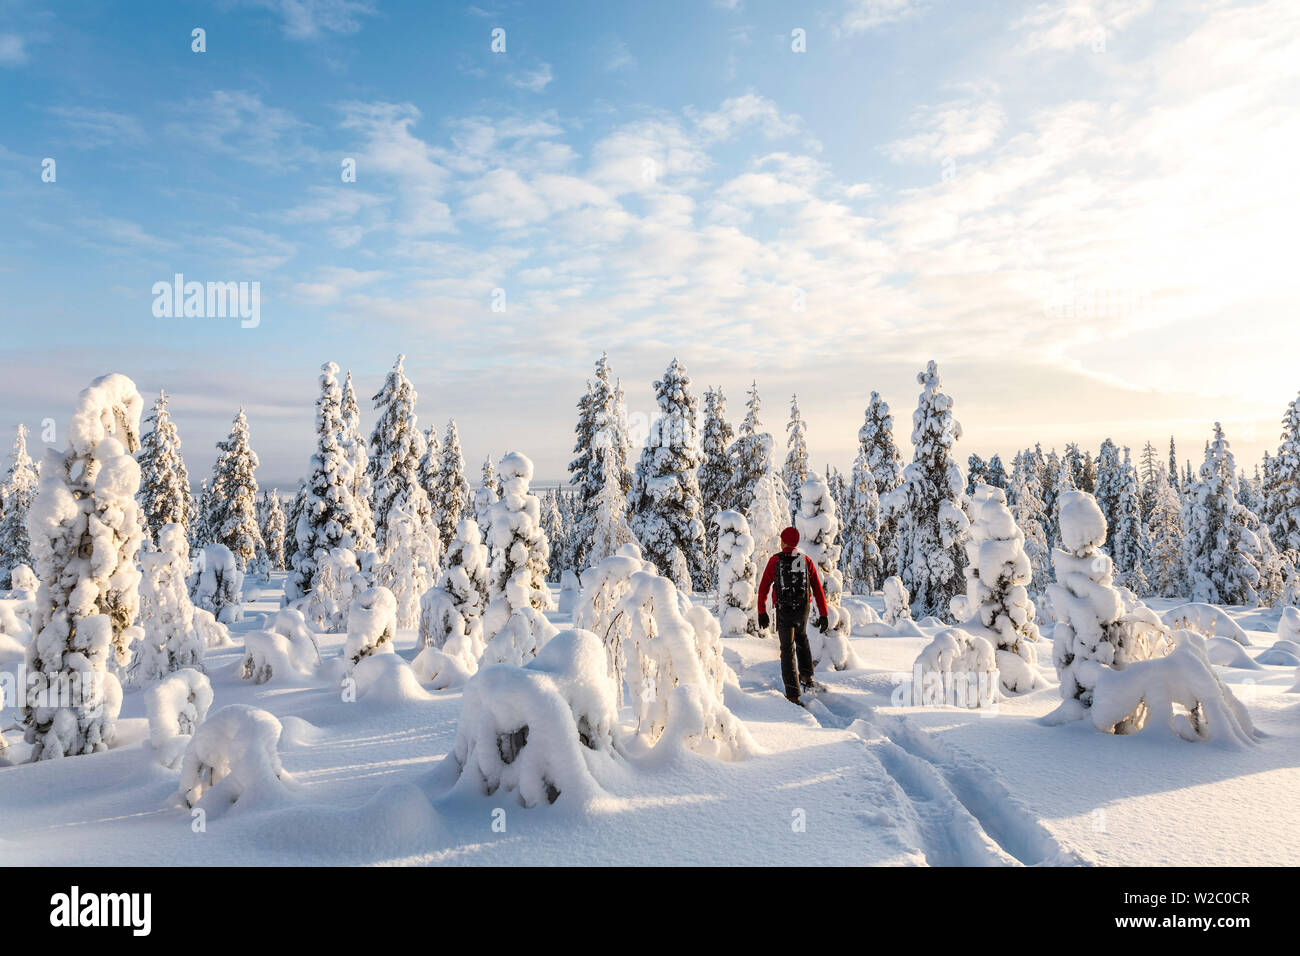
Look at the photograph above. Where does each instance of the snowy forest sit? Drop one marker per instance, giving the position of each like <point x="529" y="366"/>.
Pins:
<point x="582" y="632"/>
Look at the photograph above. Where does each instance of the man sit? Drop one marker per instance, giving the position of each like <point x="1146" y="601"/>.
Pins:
<point x="790" y="576"/>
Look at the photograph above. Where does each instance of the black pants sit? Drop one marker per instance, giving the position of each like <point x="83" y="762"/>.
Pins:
<point x="792" y="632"/>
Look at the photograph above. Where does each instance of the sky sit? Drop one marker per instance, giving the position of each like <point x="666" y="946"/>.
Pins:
<point x="1084" y="210"/>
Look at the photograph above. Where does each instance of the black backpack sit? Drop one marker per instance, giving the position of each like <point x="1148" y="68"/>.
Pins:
<point x="790" y="593"/>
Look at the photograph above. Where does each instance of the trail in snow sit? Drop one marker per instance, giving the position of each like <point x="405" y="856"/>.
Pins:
<point x="962" y="813"/>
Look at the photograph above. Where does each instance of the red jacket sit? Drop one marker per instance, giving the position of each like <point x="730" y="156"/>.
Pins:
<point x="769" y="574"/>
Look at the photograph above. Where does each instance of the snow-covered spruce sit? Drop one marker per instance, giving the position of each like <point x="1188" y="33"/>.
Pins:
<point x="372" y="625"/>
<point x="1282" y="505"/>
<point x="233" y="758"/>
<point x="286" y="652"/>
<point x="956" y="669"/>
<point x="876" y="442"/>
<point x="665" y="496"/>
<point x="929" y="504"/>
<point x="513" y="625"/>
<point x="766" y="513"/>
<point x="1206" y="620"/>
<point x="598" y="608"/>
<point x="176" y="707"/>
<point x="1179" y="693"/>
<point x="409" y="563"/>
<point x="219" y="585"/>
<point x="897" y="606"/>
<point x="600" y="410"/>
<point x="328" y="515"/>
<point x="1221" y="549"/>
<point x="165" y="496"/>
<point x="863" y="561"/>
<point x="716" y="467"/>
<point x="233" y="515"/>
<point x="1098" y="626"/>
<point x="485" y="497"/>
<point x="85" y="535"/>
<point x="795" y="470"/>
<point x="544" y="731"/>
<point x="1166" y="570"/>
<point x="675" y="672"/>
<point x="737" y="576"/>
<point x="354" y="447"/>
<point x="451" y="615"/>
<point x="996" y="604"/>
<point x="271" y="521"/>
<point x="451" y="497"/>
<point x="819" y="529"/>
<point x="1027" y="508"/>
<point x="338" y="580"/>
<point x="170" y="641"/>
<point x="396" y="447"/>
<point x="605" y="529"/>
<point x="16" y="496"/>
<point x="1128" y="539"/>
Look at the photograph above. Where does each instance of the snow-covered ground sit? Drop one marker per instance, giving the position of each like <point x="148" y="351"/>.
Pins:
<point x="854" y="779"/>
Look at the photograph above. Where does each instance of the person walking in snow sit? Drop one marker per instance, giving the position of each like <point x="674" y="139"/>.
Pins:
<point x="790" y="576"/>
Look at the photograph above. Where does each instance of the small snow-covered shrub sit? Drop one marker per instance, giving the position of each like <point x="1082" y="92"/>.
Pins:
<point x="544" y="730"/>
<point x="23" y="579"/>
<point x="676" y="673"/>
<point x="958" y="669"/>
<point x="337" y="581"/>
<point x="287" y="652"/>
<point x="597" y="610"/>
<point x="372" y="625"/>
<point x="170" y="640"/>
<point x="1179" y="693"/>
<point x="518" y="641"/>
<point x="12" y="624"/>
<point x="451" y="642"/>
<point x="861" y="613"/>
<point x="1206" y="620"/>
<point x="737" y="576"/>
<point x="1099" y="627"/>
<point x="408" y="566"/>
<point x="1288" y="625"/>
<point x="388" y="680"/>
<point x="819" y="530"/>
<point x="897" y="604"/>
<point x="209" y="630"/>
<point x="1226" y="652"/>
<point x="1283" y="653"/>
<point x="176" y="706"/>
<point x="233" y="758"/>
<point x="220" y="584"/>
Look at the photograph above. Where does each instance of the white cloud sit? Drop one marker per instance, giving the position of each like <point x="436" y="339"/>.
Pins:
<point x="309" y="20"/>
<point x="535" y="80"/>
<point x="953" y="130"/>
<point x="237" y="123"/>
<point x="863" y="16"/>
<point x="13" y="50"/>
<point x="94" y="128"/>
<point x="1069" y="24"/>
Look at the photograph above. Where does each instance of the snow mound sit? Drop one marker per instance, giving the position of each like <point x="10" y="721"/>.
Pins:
<point x="1179" y="694"/>
<point x="860" y="612"/>
<point x="388" y="680"/>
<point x="1226" y="652"/>
<point x="524" y="634"/>
<point x="1206" y="620"/>
<point x="897" y="606"/>
<point x="233" y="759"/>
<point x="542" y="730"/>
<point x="212" y="632"/>
<point x="451" y="642"/>
<point x="176" y="706"/>
<point x="13" y="625"/>
<point x="956" y="668"/>
<point x="23" y="583"/>
<point x="1283" y="653"/>
<point x="441" y="670"/>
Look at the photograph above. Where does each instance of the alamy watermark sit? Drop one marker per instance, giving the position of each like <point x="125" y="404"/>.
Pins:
<point x="210" y="300"/>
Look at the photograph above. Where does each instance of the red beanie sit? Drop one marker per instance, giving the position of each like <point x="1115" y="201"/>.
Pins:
<point x="790" y="538"/>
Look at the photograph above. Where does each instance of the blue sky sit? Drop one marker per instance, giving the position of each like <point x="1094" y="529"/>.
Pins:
<point x="1083" y="209"/>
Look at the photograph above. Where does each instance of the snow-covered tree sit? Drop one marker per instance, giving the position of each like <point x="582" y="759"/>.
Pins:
<point x="717" y="468"/>
<point x="200" y="514"/>
<point x="513" y="623"/>
<point x="795" y="470"/>
<point x="1282" y="505"/>
<point x="15" y="502"/>
<point x="876" y="439"/>
<point x="1165" y="569"/>
<point x="737" y="576"/>
<point x="819" y="533"/>
<point x="233" y="518"/>
<point x="929" y="504"/>
<point x="600" y="409"/>
<point x="85" y="535"/>
<point x="165" y="496"/>
<point x="218" y="586"/>
<point x="665" y="496"/>
<point x="408" y="565"/>
<point x="1098" y="626"/>
<point x="750" y="454"/>
<point x="271" y="521"/>
<point x="998" y="477"/>
<point x="1110" y="482"/>
<point x="327" y="519"/>
<point x="605" y="528"/>
<point x="977" y="473"/>
<point x="1222" y="551"/>
<point x="864" y="562"/>
<point x="1150" y="468"/>
<point x="451" y="495"/>
<point x="170" y="640"/>
<point x="1128" y="539"/>
<point x="396" y="447"/>
<point x="996" y="604"/>
<point x="768" y="512"/>
<point x="1027" y="510"/>
<point x="354" y="446"/>
<point x="486" y="497"/>
<point x="461" y="595"/>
